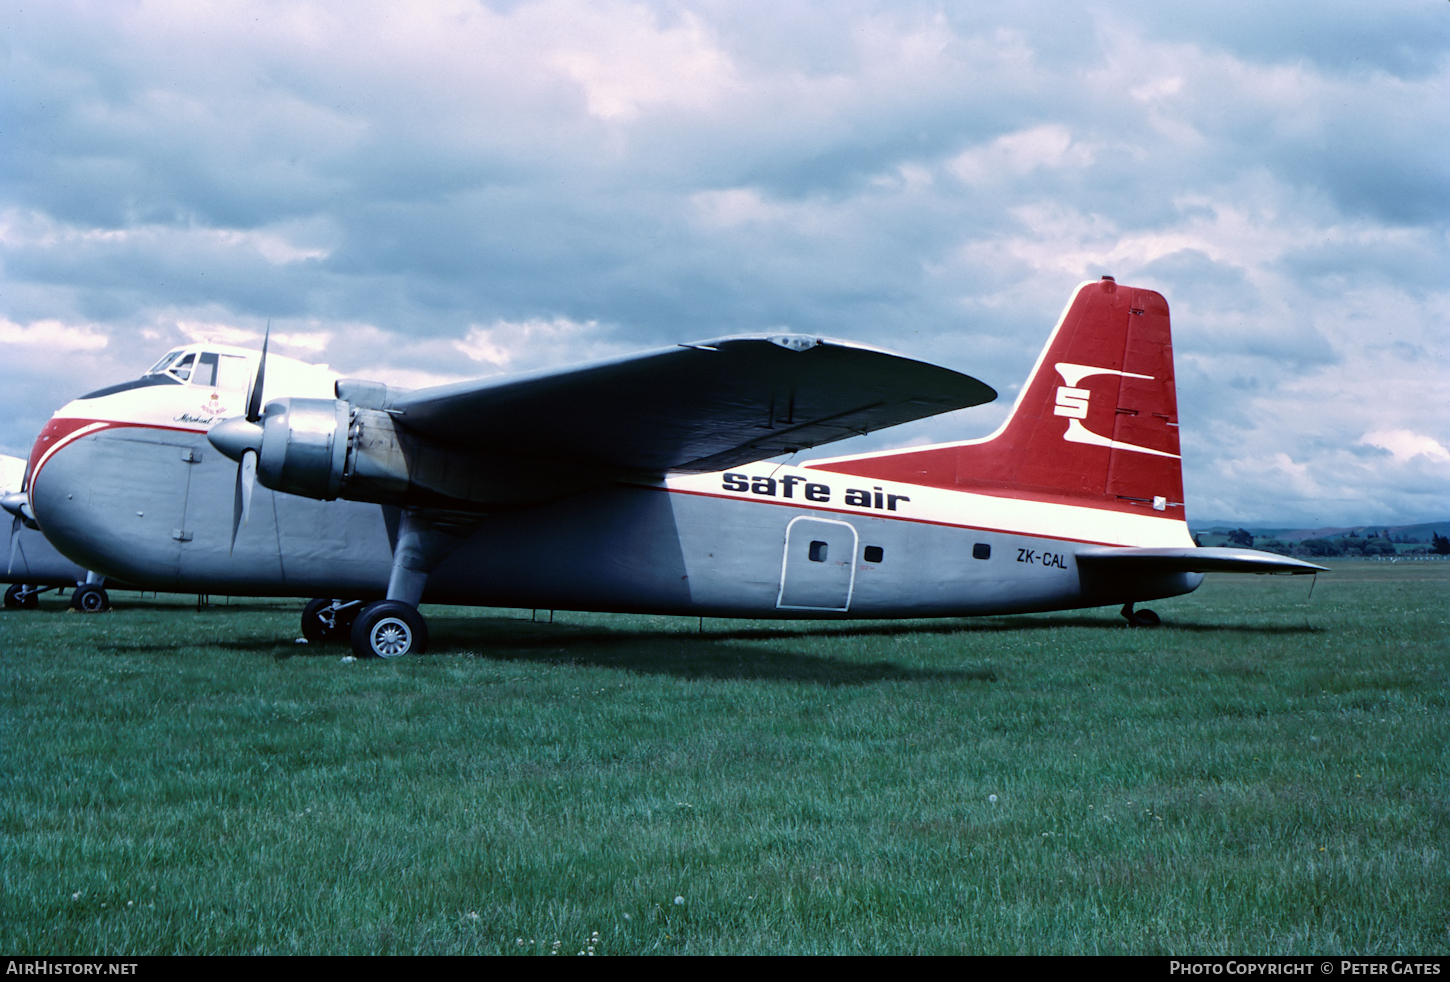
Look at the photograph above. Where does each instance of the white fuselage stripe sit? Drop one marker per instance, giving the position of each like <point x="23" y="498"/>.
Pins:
<point x="941" y="506"/>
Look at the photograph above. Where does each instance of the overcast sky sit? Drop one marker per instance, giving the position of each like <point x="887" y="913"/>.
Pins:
<point x="430" y="191"/>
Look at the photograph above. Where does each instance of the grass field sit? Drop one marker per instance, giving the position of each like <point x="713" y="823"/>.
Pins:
<point x="1265" y="774"/>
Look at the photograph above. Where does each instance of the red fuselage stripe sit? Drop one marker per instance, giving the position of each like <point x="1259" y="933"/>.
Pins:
<point x="62" y="432"/>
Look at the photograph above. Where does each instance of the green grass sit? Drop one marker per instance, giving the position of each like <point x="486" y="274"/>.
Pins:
<point x="1265" y="774"/>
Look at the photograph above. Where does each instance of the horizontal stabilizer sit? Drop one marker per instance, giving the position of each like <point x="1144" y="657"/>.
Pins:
<point x="697" y="407"/>
<point x="1192" y="560"/>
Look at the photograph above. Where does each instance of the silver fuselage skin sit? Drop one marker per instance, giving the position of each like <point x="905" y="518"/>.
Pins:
<point x="151" y="503"/>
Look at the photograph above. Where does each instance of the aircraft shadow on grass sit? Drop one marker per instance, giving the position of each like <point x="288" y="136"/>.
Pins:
<point x="692" y="657"/>
<point x="727" y="654"/>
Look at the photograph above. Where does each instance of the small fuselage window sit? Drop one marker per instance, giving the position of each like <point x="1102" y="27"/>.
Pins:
<point x="873" y="554"/>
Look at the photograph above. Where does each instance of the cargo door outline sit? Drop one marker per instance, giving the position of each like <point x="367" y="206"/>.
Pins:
<point x="818" y="585"/>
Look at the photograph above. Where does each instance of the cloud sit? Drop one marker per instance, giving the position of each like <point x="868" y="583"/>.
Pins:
<point x="422" y="192"/>
<point x="626" y="63"/>
<point x="52" y="335"/>
<point x="1047" y="147"/>
<point x="1405" y="445"/>
<point x="525" y="345"/>
<point x="733" y="207"/>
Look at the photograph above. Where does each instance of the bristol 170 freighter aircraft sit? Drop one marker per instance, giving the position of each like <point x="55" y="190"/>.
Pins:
<point x="642" y="484"/>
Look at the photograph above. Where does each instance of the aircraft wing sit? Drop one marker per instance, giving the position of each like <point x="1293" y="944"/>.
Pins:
<point x="1192" y="560"/>
<point x="695" y="407"/>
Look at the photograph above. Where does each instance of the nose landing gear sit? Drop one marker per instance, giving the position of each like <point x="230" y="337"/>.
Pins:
<point x="327" y="621"/>
<point x="21" y="596"/>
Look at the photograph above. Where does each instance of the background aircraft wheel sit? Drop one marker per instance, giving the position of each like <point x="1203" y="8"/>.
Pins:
<point x="315" y="626"/>
<point x="17" y="598"/>
<point x="389" y="629"/>
<point x="1143" y="618"/>
<point x="90" y="599"/>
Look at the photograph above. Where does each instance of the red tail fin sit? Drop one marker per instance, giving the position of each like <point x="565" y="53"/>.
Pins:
<point x="1097" y="420"/>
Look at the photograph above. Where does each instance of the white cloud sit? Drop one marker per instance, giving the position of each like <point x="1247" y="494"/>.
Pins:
<point x="536" y="343"/>
<point x="1406" y="444"/>
<point x="627" y="64"/>
<point x="733" y="207"/>
<point x="1047" y="147"/>
<point x="217" y="333"/>
<point x="304" y="341"/>
<point x="53" y="336"/>
<point x="34" y="231"/>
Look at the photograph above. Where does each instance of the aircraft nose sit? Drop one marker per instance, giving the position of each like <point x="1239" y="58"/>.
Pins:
<point x="234" y="437"/>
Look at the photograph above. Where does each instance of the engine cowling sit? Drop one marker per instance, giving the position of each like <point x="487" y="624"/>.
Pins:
<point x="304" y="447"/>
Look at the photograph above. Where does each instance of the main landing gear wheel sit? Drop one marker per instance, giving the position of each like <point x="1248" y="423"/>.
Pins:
<point x="389" y="629"/>
<point x="90" y="599"/>
<point x="1140" y="618"/>
<point x="328" y="621"/>
<point x="20" y="597"/>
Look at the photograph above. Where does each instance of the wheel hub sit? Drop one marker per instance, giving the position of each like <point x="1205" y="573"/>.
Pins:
<point x="391" y="638"/>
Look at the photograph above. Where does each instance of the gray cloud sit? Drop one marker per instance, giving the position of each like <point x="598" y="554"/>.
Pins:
<point x="553" y="180"/>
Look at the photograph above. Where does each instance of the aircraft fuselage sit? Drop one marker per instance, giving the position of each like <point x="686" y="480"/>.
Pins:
<point x="151" y="504"/>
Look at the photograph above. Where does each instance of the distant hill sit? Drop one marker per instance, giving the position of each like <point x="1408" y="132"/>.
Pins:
<point x="1367" y="541"/>
<point x="1403" y="533"/>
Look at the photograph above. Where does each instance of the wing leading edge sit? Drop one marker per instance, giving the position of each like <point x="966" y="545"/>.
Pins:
<point x="693" y="408"/>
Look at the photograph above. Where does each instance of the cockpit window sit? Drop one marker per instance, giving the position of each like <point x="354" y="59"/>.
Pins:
<point x="182" y="369"/>
<point x="232" y="374"/>
<point x="206" y="365"/>
<point x="167" y="359"/>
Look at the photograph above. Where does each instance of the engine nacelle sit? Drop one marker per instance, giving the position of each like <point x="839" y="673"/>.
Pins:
<point x="304" y="447"/>
<point x="332" y="448"/>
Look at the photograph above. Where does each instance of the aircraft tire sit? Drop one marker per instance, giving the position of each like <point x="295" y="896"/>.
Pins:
<point x="17" y="599"/>
<point x="90" y="599"/>
<point x="317" y="631"/>
<point x="389" y="629"/>
<point x="1144" y="618"/>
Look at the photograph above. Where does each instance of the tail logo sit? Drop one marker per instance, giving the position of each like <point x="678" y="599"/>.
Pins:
<point x="1072" y="402"/>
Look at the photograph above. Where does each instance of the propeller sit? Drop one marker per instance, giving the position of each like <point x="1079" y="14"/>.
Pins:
<point x="254" y="405"/>
<point x="242" y="500"/>
<point x="17" y="503"/>
<point x="240" y="438"/>
<point x="14" y="543"/>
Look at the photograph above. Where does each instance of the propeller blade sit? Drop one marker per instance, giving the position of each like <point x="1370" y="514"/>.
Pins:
<point x="254" y="405"/>
<point x="15" y="525"/>
<point x="242" y="500"/>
